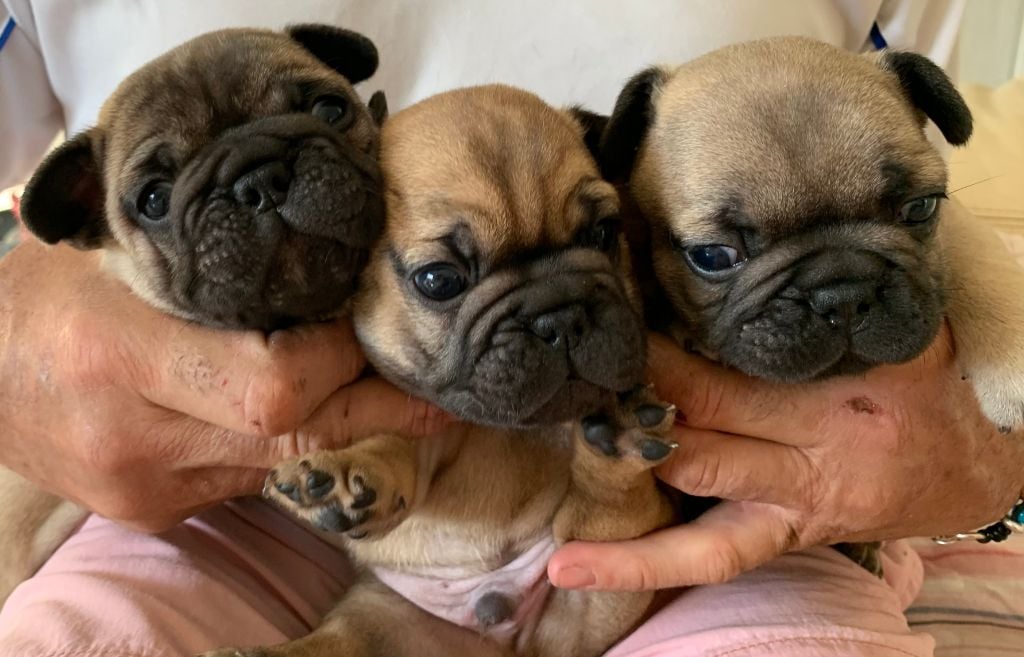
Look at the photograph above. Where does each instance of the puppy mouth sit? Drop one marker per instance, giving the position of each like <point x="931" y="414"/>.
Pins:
<point x="306" y="279"/>
<point x="574" y="398"/>
<point x="789" y="340"/>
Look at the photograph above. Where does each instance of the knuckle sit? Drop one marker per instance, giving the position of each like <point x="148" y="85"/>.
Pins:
<point x="723" y="563"/>
<point x="425" y="418"/>
<point x="704" y="404"/>
<point x="646" y="578"/>
<point x="810" y="482"/>
<point x="634" y="575"/>
<point x="698" y="474"/>
<point x="271" y="403"/>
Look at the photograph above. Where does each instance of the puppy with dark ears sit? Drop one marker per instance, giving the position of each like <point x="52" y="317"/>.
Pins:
<point x="233" y="182"/>
<point x="796" y="218"/>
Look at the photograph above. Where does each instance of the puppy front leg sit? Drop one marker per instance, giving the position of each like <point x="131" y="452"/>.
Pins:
<point x="613" y="496"/>
<point x="374" y="621"/>
<point x="364" y="490"/>
<point x="986" y="314"/>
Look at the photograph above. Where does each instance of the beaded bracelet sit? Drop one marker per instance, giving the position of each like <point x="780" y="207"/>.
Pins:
<point x="1011" y="523"/>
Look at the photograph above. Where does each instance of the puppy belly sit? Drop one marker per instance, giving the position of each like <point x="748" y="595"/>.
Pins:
<point x="503" y="604"/>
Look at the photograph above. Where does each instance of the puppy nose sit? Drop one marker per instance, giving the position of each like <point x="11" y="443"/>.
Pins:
<point x="264" y="187"/>
<point x="562" y="327"/>
<point x="843" y="304"/>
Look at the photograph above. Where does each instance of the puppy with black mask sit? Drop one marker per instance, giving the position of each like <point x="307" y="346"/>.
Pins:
<point x="797" y="220"/>
<point x="793" y="219"/>
<point x="233" y="182"/>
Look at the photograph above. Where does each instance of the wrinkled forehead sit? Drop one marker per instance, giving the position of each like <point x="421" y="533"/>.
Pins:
<point x="499" y="172"/>
<point x="797" y="144"/>
<point x="218" y="81"/>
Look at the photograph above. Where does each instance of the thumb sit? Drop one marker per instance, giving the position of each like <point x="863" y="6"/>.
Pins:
<point x="359" y="410"/>
<point x="728" y="540"/>
<point x="355" y="411"/>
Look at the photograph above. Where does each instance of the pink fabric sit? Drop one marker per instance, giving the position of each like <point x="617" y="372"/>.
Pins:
<point x="973" y="598"/>
<point x="243" y="574"/>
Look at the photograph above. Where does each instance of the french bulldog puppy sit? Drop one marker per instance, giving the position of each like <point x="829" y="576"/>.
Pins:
<point x="501" y="291"/>
<point x="798" y="221"/>
<point x="233" y="182"/>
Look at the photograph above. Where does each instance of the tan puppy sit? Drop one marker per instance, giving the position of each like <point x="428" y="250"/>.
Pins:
<point x="233" y="182"/>
<point x="798" y="220"/>
<point x="500" y="291"/>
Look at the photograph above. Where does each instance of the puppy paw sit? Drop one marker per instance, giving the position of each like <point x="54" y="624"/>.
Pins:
<point x="345" y="491"/>
<point x="637" y="428"/>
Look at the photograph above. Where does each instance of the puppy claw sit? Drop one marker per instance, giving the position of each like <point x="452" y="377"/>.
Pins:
<point x="656" y="450"/>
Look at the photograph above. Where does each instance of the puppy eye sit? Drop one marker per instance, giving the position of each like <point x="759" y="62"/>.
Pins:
<point x="918" y="210"/>
<point x="439" y="281"/>
<point x="604" y="234"/>
<point x="332" y="110"/>
<point x="713" y="258"/>
<point x="155" y="200"/>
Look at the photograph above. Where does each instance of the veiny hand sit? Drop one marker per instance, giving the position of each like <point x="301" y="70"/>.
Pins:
<point x="147" y="419"/>
<point x="901" y="451"/>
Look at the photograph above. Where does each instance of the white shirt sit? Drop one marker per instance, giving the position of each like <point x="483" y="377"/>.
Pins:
<point x="64" y="57"/>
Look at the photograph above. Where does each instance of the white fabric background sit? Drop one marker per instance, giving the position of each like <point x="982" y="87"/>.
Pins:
<point x="66" y="56"/>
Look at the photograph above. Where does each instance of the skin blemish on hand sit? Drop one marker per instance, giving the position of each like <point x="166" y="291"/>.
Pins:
<point x="862" y="405"/>
<point x="195" y="371"/>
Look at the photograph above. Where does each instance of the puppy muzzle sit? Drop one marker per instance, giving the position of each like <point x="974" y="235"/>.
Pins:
<point x="545" y="342"/>
<point x="814" y="309"/>
<point x="274" y="223"/>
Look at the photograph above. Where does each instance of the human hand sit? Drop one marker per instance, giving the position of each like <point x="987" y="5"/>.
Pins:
<point x="901" y="451"/>
<point x="147" y="419"/>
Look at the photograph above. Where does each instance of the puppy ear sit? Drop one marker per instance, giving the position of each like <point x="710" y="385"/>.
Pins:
<point x="593" y="125"/>
<point x="64" y="199"/>
<point x="347" y="52"/>
<point x="931" y="91"/>
<point x="378" y="106"/>
<point x="629" y="123"/>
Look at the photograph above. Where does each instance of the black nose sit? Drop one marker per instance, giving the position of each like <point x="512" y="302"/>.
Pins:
<point x="264" y="187"/>
<point x="844" y="303"/>
<point x="562" y="327"/>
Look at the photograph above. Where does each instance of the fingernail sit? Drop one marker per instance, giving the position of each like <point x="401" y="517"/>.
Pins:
<point x="574" y="577"/>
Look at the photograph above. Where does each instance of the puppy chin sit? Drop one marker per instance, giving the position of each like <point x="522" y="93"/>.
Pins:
<point x="572" y="400"/>
<point x="790" y="344"/>
<point x="305" y="279"/>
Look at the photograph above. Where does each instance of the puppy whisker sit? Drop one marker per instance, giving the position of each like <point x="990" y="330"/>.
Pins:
<point x="973" y="184"/>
